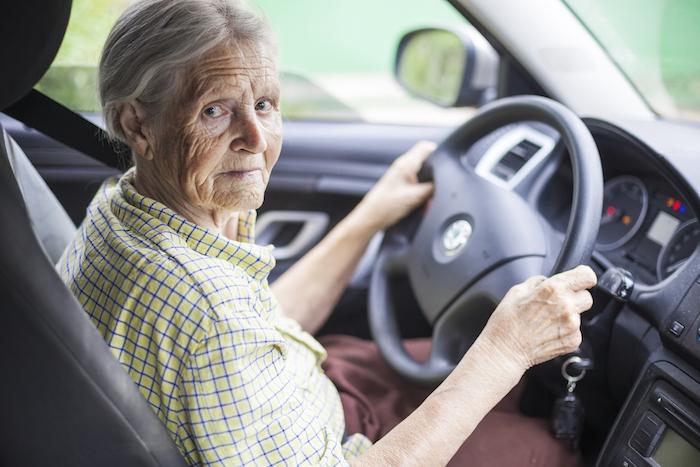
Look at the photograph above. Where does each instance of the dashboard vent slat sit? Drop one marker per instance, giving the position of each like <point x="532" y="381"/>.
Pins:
<point x="513" y="160"/>
<point x="514" y="155"/>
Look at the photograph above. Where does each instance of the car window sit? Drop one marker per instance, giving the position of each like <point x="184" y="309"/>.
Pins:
<point x="72" y="77"/>
<point x="336" y="57"/>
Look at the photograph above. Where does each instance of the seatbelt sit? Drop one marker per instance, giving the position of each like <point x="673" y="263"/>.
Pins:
<point x="44" y="114"/>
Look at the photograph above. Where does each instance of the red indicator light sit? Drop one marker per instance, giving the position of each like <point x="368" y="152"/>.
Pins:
<point x="676" y="205"/>
<point x="611" y="211"/>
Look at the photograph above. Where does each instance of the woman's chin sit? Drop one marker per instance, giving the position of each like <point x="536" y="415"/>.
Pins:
<point x="242" y="200"/>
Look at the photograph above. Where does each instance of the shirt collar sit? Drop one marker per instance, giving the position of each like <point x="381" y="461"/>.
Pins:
<point x="256" y="260"/>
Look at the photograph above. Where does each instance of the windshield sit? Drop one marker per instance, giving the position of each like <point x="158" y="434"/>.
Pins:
<point x="655" y="44"/>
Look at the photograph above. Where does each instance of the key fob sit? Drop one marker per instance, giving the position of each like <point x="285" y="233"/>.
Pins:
<point x="567" y="419"/>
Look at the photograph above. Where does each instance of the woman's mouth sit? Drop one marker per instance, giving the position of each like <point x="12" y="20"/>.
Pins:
<point x="242" y="174"/>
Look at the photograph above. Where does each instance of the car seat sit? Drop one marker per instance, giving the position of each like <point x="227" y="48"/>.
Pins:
<point x="64" y="398"/>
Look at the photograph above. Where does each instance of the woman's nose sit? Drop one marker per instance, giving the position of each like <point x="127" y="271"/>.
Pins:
<point x="249" y="135"/>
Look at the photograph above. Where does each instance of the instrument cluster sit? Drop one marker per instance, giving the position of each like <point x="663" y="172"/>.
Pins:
<point x="646" y="227"/>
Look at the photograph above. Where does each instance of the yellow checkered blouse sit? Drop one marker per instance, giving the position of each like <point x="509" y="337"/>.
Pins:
<point x="190" y="316"/>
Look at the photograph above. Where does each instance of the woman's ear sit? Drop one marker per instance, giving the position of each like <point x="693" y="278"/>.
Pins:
<point x="131" y="119"/>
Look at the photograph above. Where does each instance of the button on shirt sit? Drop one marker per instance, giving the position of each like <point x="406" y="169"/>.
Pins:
<point x="190" y="316"/>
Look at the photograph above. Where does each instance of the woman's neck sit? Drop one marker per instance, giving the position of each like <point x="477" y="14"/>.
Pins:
<point x="217" y="220"/>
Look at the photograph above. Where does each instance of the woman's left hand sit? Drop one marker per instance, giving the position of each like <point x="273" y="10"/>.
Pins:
<point x="398" y="192"/>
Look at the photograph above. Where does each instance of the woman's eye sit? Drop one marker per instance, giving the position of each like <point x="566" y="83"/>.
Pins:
<point x="213" y="111"/>
<point x="263" y="105"/>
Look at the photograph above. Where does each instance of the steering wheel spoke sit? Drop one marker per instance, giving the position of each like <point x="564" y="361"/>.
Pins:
<point x="471" y="227"/>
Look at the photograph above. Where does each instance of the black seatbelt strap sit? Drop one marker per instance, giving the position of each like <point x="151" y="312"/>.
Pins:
<point x="44" y="114"/>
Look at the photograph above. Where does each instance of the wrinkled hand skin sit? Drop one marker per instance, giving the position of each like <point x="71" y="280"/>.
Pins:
<point x="539" y="319"/>
<point x="398" y="192"/>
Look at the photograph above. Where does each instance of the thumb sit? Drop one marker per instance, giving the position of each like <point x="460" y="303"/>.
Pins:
<point x="420" y="192"/>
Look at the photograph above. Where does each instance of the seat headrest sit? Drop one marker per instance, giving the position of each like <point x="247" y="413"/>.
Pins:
<point x="31" y="32"/>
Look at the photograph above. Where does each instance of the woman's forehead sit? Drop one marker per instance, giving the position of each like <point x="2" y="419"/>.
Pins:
<point x="229" y="66"/>
<point x="236" y="58"/>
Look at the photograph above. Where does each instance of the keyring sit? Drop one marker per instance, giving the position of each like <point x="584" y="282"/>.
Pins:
<point x="565" y="366"/>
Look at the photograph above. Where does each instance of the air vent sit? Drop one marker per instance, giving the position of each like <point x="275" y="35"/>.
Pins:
<point x="514" y="155"/>
<point x="514" y="160"/>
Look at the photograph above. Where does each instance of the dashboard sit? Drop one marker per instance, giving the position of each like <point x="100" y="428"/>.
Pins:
<point x="647" y="225"/>
<point x="647" y="345"/>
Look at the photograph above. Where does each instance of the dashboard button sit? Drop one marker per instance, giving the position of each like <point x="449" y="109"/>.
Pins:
<point x="677" y="328"/>
<point x="647" y="434"/>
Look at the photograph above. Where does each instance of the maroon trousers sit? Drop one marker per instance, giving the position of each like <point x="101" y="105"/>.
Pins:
<point x="375" y="399"/>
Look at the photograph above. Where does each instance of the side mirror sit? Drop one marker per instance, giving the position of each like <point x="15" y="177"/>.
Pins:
<point x="449" y="67"/>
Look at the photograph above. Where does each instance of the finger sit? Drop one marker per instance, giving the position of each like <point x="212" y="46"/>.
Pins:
<point x="534" y="281"/>
<point x="580" y="278"/>
<point x="583" y="301"/>
<point x="415" y="156"/>
<point x="570" y="322"/>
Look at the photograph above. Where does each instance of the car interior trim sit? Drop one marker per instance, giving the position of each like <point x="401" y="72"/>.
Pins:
<point x="505" y="143"/>
<point x="312" y="227"/>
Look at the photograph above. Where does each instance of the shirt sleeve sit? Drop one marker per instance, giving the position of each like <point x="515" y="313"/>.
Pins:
<point x="241" y="404"/>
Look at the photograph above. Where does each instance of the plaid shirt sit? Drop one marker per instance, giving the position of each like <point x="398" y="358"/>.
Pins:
<point x="190" y="316"/>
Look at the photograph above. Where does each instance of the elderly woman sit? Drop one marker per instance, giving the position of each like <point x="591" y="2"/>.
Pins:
<point x="166" y="266"/>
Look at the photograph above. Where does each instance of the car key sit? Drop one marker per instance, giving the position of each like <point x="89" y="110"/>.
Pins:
<point x="568" y="412"/>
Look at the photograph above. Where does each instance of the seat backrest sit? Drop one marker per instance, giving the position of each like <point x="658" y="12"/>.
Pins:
<point x="64" y="398"/>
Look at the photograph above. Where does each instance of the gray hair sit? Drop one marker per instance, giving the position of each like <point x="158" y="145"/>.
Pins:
<point x="153" y="41"/>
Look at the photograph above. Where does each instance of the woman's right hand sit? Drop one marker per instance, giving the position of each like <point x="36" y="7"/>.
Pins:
<point x="536" y="321"/>
<point x="540" y="318"/>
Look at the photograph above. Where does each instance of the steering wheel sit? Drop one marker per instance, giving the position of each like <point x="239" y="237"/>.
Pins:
<point x="476" y="239"/>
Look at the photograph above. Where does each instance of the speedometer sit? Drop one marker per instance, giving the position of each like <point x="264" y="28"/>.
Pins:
<point x="625" y="204"/>
<point x="676" y="252"/>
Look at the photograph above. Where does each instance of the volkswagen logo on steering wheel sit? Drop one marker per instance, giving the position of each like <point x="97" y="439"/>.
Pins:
<point x="456" y="236"/>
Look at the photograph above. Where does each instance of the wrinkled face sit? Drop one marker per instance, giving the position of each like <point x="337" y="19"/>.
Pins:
<point x="222" y="135"/>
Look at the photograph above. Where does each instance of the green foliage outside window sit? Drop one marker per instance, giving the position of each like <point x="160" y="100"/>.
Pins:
<point x="72" y="79"/>
<point x="316" y="37"/>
